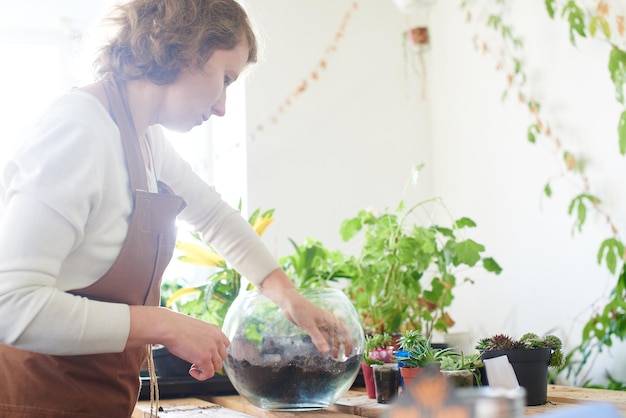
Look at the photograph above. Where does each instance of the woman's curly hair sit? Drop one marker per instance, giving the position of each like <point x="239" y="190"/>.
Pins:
<point x="156" y="39"/>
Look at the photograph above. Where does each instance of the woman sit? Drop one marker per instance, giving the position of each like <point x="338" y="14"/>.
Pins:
<point x="87" y="219"/>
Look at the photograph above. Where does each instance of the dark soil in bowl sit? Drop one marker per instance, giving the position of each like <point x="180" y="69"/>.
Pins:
<point x="303" y="378"/>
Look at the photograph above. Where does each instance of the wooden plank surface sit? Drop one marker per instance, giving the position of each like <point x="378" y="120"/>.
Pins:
<point x="187" y="408"/>
<point x="237" y="403"/>
<point x="356" y="403"/>
<point x="560" y="397"/>
<point x="569" y="394"/>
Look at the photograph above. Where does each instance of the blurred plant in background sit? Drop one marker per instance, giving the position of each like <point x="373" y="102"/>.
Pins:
<point x="211" y="299"/>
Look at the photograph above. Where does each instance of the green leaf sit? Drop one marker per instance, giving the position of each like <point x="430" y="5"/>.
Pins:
<point x="464" y="222"/>
<point x="506" y="32"/>
<point x="547" y="190"/>
<point x="579" y="205"/>
<point x="582" y="214"/>
<point x="467" y="252"/>
<point x="491" y="265"/>
<point x="550" y="8"/>
<point x="593" y="26"/>
<point x="617" y="62"/>
<point x="617" y="69"/>
<point x="533" y="131"/>
<point x="349" y="228"/>
<point x="494" y="21"/>
<point x="447" y="232"/>
<point x="576" y="20"/>
<point x="611" y="250"/>
<point x="254" y="215"/>
<point x="621" y="130"/>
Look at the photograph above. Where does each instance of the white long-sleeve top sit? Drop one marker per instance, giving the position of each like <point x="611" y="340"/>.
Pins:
<point x="65" y="202"/>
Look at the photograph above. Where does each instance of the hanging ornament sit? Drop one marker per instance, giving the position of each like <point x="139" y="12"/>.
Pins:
<point x="416" y="37"/>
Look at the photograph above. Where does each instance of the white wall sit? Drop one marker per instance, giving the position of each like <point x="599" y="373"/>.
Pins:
<point x="349" y="141"/>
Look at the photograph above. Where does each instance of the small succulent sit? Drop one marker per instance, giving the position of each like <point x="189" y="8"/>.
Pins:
<point x="374" y="345"/>
<point x="527" y="341"/>
<point x="461" y="361"/>
<point x="419" y="349"/>
<point x="498" y="342"/>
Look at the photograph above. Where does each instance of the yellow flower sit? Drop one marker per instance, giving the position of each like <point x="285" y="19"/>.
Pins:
<point x="261" y="224"/>
<point x="179" y="293"/>
<point x="199" y="254"/>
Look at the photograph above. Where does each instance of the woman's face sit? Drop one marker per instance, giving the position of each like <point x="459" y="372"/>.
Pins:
<point x="196" y="95"/>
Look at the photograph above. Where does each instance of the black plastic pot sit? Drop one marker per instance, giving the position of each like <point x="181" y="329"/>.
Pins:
<point x="386" y="381"/>
<point x="168" y="365"/>
<point x="531" y="369"/>
<point x="175" y="382"/>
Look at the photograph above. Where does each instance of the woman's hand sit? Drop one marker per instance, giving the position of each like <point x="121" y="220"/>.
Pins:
<point x="327" y="333"/>
<point x="200" y="343"/>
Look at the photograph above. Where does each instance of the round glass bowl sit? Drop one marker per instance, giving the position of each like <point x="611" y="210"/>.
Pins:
<point x="274" y="365"/>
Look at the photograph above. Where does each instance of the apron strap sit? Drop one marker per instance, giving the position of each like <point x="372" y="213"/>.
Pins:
<point x="116" y="95"/>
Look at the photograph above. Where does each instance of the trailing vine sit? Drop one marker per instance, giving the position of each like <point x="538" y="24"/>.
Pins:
<point x="608" y="324"/>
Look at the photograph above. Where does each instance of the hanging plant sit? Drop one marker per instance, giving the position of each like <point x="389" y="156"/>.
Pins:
<point x="609" y="323"/>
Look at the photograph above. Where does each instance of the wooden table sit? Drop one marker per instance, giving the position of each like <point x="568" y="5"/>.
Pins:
<point x="355" y="404"/>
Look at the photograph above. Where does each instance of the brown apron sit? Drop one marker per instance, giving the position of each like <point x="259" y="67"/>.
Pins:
<point x="101" y="385"/>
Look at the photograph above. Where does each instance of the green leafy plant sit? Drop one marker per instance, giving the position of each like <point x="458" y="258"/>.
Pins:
<point x="527" y="341"/>
<point x="313" y="265"/>
<point x="211" y="299"/>
<point x="417" y="350"/>
<point x="405" y="274"/>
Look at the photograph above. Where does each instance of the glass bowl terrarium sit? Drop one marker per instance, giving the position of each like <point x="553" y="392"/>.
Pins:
<point x="273" y="363"/>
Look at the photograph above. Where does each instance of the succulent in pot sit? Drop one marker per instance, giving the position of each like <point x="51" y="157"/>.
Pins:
<point x="530" y="356"/>
<point x="417" y="351"/>
<point x="461" y="369"/>
<point x="378" y="351"/>
<point x="527" y="341"/>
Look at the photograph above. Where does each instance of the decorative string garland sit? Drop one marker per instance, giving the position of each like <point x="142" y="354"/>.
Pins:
<point x="313" y="76"/>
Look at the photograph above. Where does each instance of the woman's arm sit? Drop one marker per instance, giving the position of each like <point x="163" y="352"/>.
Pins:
<point x="198" y="342"/>
<point x="324" y="328"/>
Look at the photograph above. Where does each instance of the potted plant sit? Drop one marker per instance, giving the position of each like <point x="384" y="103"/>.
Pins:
<point x="408" y="267"/>
<point x="460" y="369"/>
<point x="377" y="351"/>
<point x="313" y="265"/>
<point x="416" y="352"/>
<point x="530" y="357"/>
